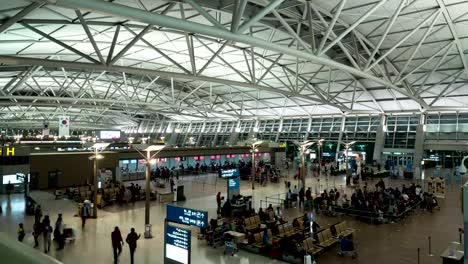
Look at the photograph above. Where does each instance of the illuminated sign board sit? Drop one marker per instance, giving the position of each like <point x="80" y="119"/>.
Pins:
<point x="7" y="151"/>
<point x="176" y="245"/>
<point x="109" y="134"/>
<point x="187" y="216"/>
<point x="233" y="184"/>
<point x="230" y="173"/>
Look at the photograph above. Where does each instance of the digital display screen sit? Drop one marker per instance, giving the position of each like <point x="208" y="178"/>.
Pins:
<point x="109" y="134"/>
<point x="177" y="245"/>
<point x="234" y="183"/>
<point x="187" y="216"/>
<point x="10" y="178"/>
<point x="230" y="173"/>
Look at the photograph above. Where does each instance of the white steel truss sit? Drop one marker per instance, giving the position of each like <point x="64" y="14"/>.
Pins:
<point x="121" y="62"/>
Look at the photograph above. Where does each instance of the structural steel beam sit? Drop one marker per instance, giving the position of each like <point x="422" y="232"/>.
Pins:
<point x="267" y="9"/>
<point x="454" y="34"/>
<point x="105" y="101"/>
<point x="19" y="16"/>
<point x="11" y="60"/>
<point x="197" y="28"/>
<point x="205" y="14"/>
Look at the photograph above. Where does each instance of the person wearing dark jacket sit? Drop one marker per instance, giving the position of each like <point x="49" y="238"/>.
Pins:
<point x="308" y="194"/>
<point x="36" y="232"/>
<point x="131" y="240"/>
<point x="218" y="202"/>
<point x="117" y="243"/>
<point x="301" y="197"/>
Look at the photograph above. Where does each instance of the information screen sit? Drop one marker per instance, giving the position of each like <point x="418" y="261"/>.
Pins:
<point x="187" y="216"/>
<point x="177" y="245"/>
<point x="10" y="178"/>
<point x="109" y="134"/>
<point x="230" y="173"/>
<point x="234" y="184"/>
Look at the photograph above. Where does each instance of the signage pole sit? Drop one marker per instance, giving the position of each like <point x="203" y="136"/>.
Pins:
<point x="95" y="182"/>
<point x="465" y="220"/>
<point x="147" y="201"/>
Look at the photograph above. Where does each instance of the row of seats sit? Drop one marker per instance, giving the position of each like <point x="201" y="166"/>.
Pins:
<point x="252" y="222"/>
<point x="286" y="230"/>
<point x="309" y="246"/>
<point x="326" y="239"/>
<point x="299" y="223"/>
<point x="341" y="229"/>
<point x="258" y="239"/>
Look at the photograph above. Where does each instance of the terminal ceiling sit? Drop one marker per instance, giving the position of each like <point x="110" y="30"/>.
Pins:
<point x="115" y="63"/>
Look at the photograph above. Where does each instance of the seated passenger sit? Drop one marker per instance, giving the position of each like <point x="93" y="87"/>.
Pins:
<point x="270" y="208"/>
<point x="266" y="239"/>
<point x="262" y="215"/>
<point x="279" y="215"/>
<point x="226" y="210"/>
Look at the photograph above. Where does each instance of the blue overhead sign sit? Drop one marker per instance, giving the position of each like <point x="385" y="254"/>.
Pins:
<point x="233" y="184"/>
<point x="230" y="173"/>
<point x="187" y="216"/>
<point x="176" y="245"/>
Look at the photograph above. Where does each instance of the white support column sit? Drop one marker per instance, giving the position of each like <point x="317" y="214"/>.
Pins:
<point x="340" y="138"/>
<point x="174" y="135"/>
<point x="380" y="139"/>
<point x="279" y="130"/>
<point x="215" y="140"/>
<point x="202" y="131"/>
<point x="254" y="131"/>
<point x="309" y="125"/>
<point x="419" y="147"/>
<point x="234" y="134"/>
<point x="186" y="134"/>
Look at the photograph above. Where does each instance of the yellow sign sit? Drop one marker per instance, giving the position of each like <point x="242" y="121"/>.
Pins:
<point x="7" y="151"/>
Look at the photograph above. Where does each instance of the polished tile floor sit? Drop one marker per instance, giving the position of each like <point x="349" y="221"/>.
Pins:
<point x="390" y="243"/>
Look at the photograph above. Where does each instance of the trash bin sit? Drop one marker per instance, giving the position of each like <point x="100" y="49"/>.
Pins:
<point x="148" y="233"/>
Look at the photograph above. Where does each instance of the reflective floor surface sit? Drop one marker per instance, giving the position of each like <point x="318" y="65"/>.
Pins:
<point x="389" y="243"/>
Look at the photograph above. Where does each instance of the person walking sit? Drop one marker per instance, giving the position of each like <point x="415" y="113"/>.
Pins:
<point x="218" y="201"/>
<point x="37" y="214"/>
<point x="9" y="188"/>
<point x="117" y="243"/>
<point x="36" y="232"/>
<point x="131" y="240"/>
<point x="21" y="232"/>
<point x="47" y="235"/>
<point x="46" y="221"/>
<point x="84" y="215"/>
<point x="58" y="232"/>
<point x="301" y="197"/>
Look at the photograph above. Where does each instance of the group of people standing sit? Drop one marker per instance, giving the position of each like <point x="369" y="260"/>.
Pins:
<point x="45" y="229"/>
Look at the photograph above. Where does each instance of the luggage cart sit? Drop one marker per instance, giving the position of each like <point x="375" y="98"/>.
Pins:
<point x="230" y="246"/>
<point x="216" y="239"/>
<point x="347" y="247"/>
<point x="69" y="235"/>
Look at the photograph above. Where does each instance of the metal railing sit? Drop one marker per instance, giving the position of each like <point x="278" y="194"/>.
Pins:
<point x="276" y="200"/>
<point x="374" y="215"/>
